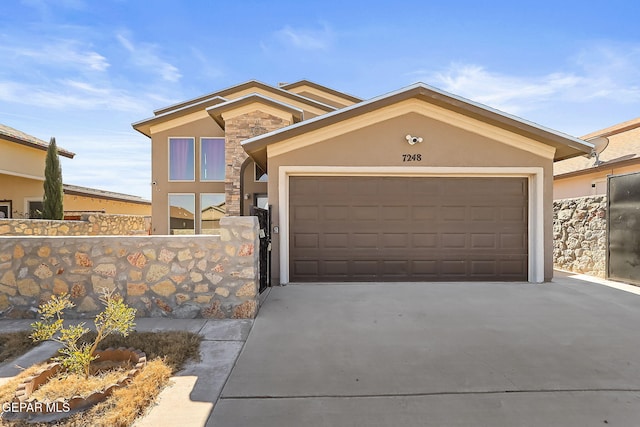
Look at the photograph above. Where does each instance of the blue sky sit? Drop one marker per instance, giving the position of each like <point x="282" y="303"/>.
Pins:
<point x="83" y="70"/>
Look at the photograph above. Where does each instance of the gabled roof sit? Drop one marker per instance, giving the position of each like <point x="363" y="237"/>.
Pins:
<point x="566" y="146"/>
<point x="217" y="111"/>
<point x="144" y="126"/>
<point x="304" y="82"/>
<point x="19" y="137"/>
<point x="619" y="152"/>
<point x="243" y="86"/>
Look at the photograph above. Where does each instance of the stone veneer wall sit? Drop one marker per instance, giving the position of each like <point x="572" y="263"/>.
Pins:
<point x="88" y="225"/>
<point x="168" y="276"/>
<point x="580" y="235"/>
<point x="237" y="129"/>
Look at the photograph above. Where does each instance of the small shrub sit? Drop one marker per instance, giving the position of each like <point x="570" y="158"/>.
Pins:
<point x="76" y="356"/>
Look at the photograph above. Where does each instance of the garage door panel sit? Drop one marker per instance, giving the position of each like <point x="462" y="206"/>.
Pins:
<point x="377" y="229"/>
<point x="424" y="240"/>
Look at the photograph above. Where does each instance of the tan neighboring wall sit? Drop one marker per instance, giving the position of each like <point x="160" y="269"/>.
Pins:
<point x="18" y="190"/>
<point x="85" y="203"/>
<point x="382" y="143"/>
<point x="579" y="177"/>
<point x="590" y="184"/>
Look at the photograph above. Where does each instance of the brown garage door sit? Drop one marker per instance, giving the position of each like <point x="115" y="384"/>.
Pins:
<point x="407" y="229"/>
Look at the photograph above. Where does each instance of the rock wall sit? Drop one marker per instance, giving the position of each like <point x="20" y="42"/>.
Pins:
<point x="161" y="276"/>
<point x="88" y="225"/>
<point x="580" y="235"/>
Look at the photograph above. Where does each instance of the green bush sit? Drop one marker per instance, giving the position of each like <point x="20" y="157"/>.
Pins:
<point x="116" y="317"/>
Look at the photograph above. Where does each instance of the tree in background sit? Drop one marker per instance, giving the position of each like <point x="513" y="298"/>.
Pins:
<point x="52" y="184"/>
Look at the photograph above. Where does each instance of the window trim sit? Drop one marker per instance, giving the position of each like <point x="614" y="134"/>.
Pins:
<point x="28" y="200"/>
<point x="169" y="159"/>
<point x="224" y="165"/>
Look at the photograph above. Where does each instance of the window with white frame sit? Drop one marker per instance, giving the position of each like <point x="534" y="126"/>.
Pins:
<point x="182" y="210"/>
<point x="181" y="159"/>
<point x="212" y="208"/>
<point x="212" y="159"/>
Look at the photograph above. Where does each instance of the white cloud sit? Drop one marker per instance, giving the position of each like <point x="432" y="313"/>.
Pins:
<point x="305" y="38"/>
<point x="603" y="73"/>
<point x="71" y="94"/>
<point x="144" y="56"/>
<point x="60" y="53"/>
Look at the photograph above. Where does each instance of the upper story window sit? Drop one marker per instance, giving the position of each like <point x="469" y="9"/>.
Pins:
<point x="181" y="159"/>
<point x="212" y="159"/>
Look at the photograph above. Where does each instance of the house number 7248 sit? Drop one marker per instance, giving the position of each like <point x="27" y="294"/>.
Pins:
<point x="412" y="157"/>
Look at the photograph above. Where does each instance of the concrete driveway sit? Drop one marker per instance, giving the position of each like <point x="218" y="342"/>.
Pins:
<point x="443" y="354"/>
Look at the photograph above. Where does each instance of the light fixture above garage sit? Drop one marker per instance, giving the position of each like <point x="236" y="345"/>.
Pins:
<point x="413" y="140"/>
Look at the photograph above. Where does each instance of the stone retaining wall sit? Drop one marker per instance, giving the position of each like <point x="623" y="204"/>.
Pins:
<point x="88" y="225"/>
<point x="168" y="276"/>
<point x="580" y="235"/>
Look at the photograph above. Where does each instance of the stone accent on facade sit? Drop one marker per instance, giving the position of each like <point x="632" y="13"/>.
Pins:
<point x="161" y="276"/>
<point x="580" y="235"/>
<point x="237" y="129"/>
<point x="88" y="225"/>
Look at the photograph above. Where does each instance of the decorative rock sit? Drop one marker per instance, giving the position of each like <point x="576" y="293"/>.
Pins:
<point x="7" y="290"/>
<point x="106" y="270"/>
<point x="202" y="265"/>
<point x="178" y="278"/>
<point x="247" y="290"/>
<point x="44" y="251"/>
<point x="137" y="259"/>
<point x="166" y="256"/>
<point x="87" y="305"/>
<point x="181" y="298"/>
<point x="150" y="254"/>
<point x="201" y="288"/>
<point x="156" y="272"/>
<point x="4" y="257"/>
<point x="186" y="311"/>
<point x="184" y="255"/>
<point x="164" y="288"/>
<point x="135" y="275"/>
<point x="218" y="268"/>
<point x="78" y="290"/>
<point x="222" y="291"/>
<point x="246" y="310"/>
<point x="4" y="302"/>
<point x="8" y="279"/>
<point x="203" y="299"/>
<point x="213" y="278"/>
<point x="230" y="250"/>
<point x="83" y="260"/>
<point x="18" y="251"/>
<point x="136" y="289"/>
<point x="195" y="277"/>
<point x="60" y="287"/>
<point x="28" y="288"/>
<point x="246" y="249"/>
<point x="101" y="283"/>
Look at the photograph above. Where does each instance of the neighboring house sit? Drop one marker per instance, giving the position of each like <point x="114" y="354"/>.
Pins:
<point x="587" y="176"/>
<point x="414" y="185"/>
<point x="22" y="162"/>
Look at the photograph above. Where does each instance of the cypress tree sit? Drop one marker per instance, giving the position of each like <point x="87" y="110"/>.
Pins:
<point x="52" y="184"/>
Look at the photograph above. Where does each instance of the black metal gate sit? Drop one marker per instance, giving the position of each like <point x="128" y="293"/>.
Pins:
<point x="264" y="221"/>
<point x="623" y="228"/>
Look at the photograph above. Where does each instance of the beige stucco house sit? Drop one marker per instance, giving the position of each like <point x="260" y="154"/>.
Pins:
<point x="414" y="185"/>
<point x="22" y="160"/>
<point x="587" y="176"/>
